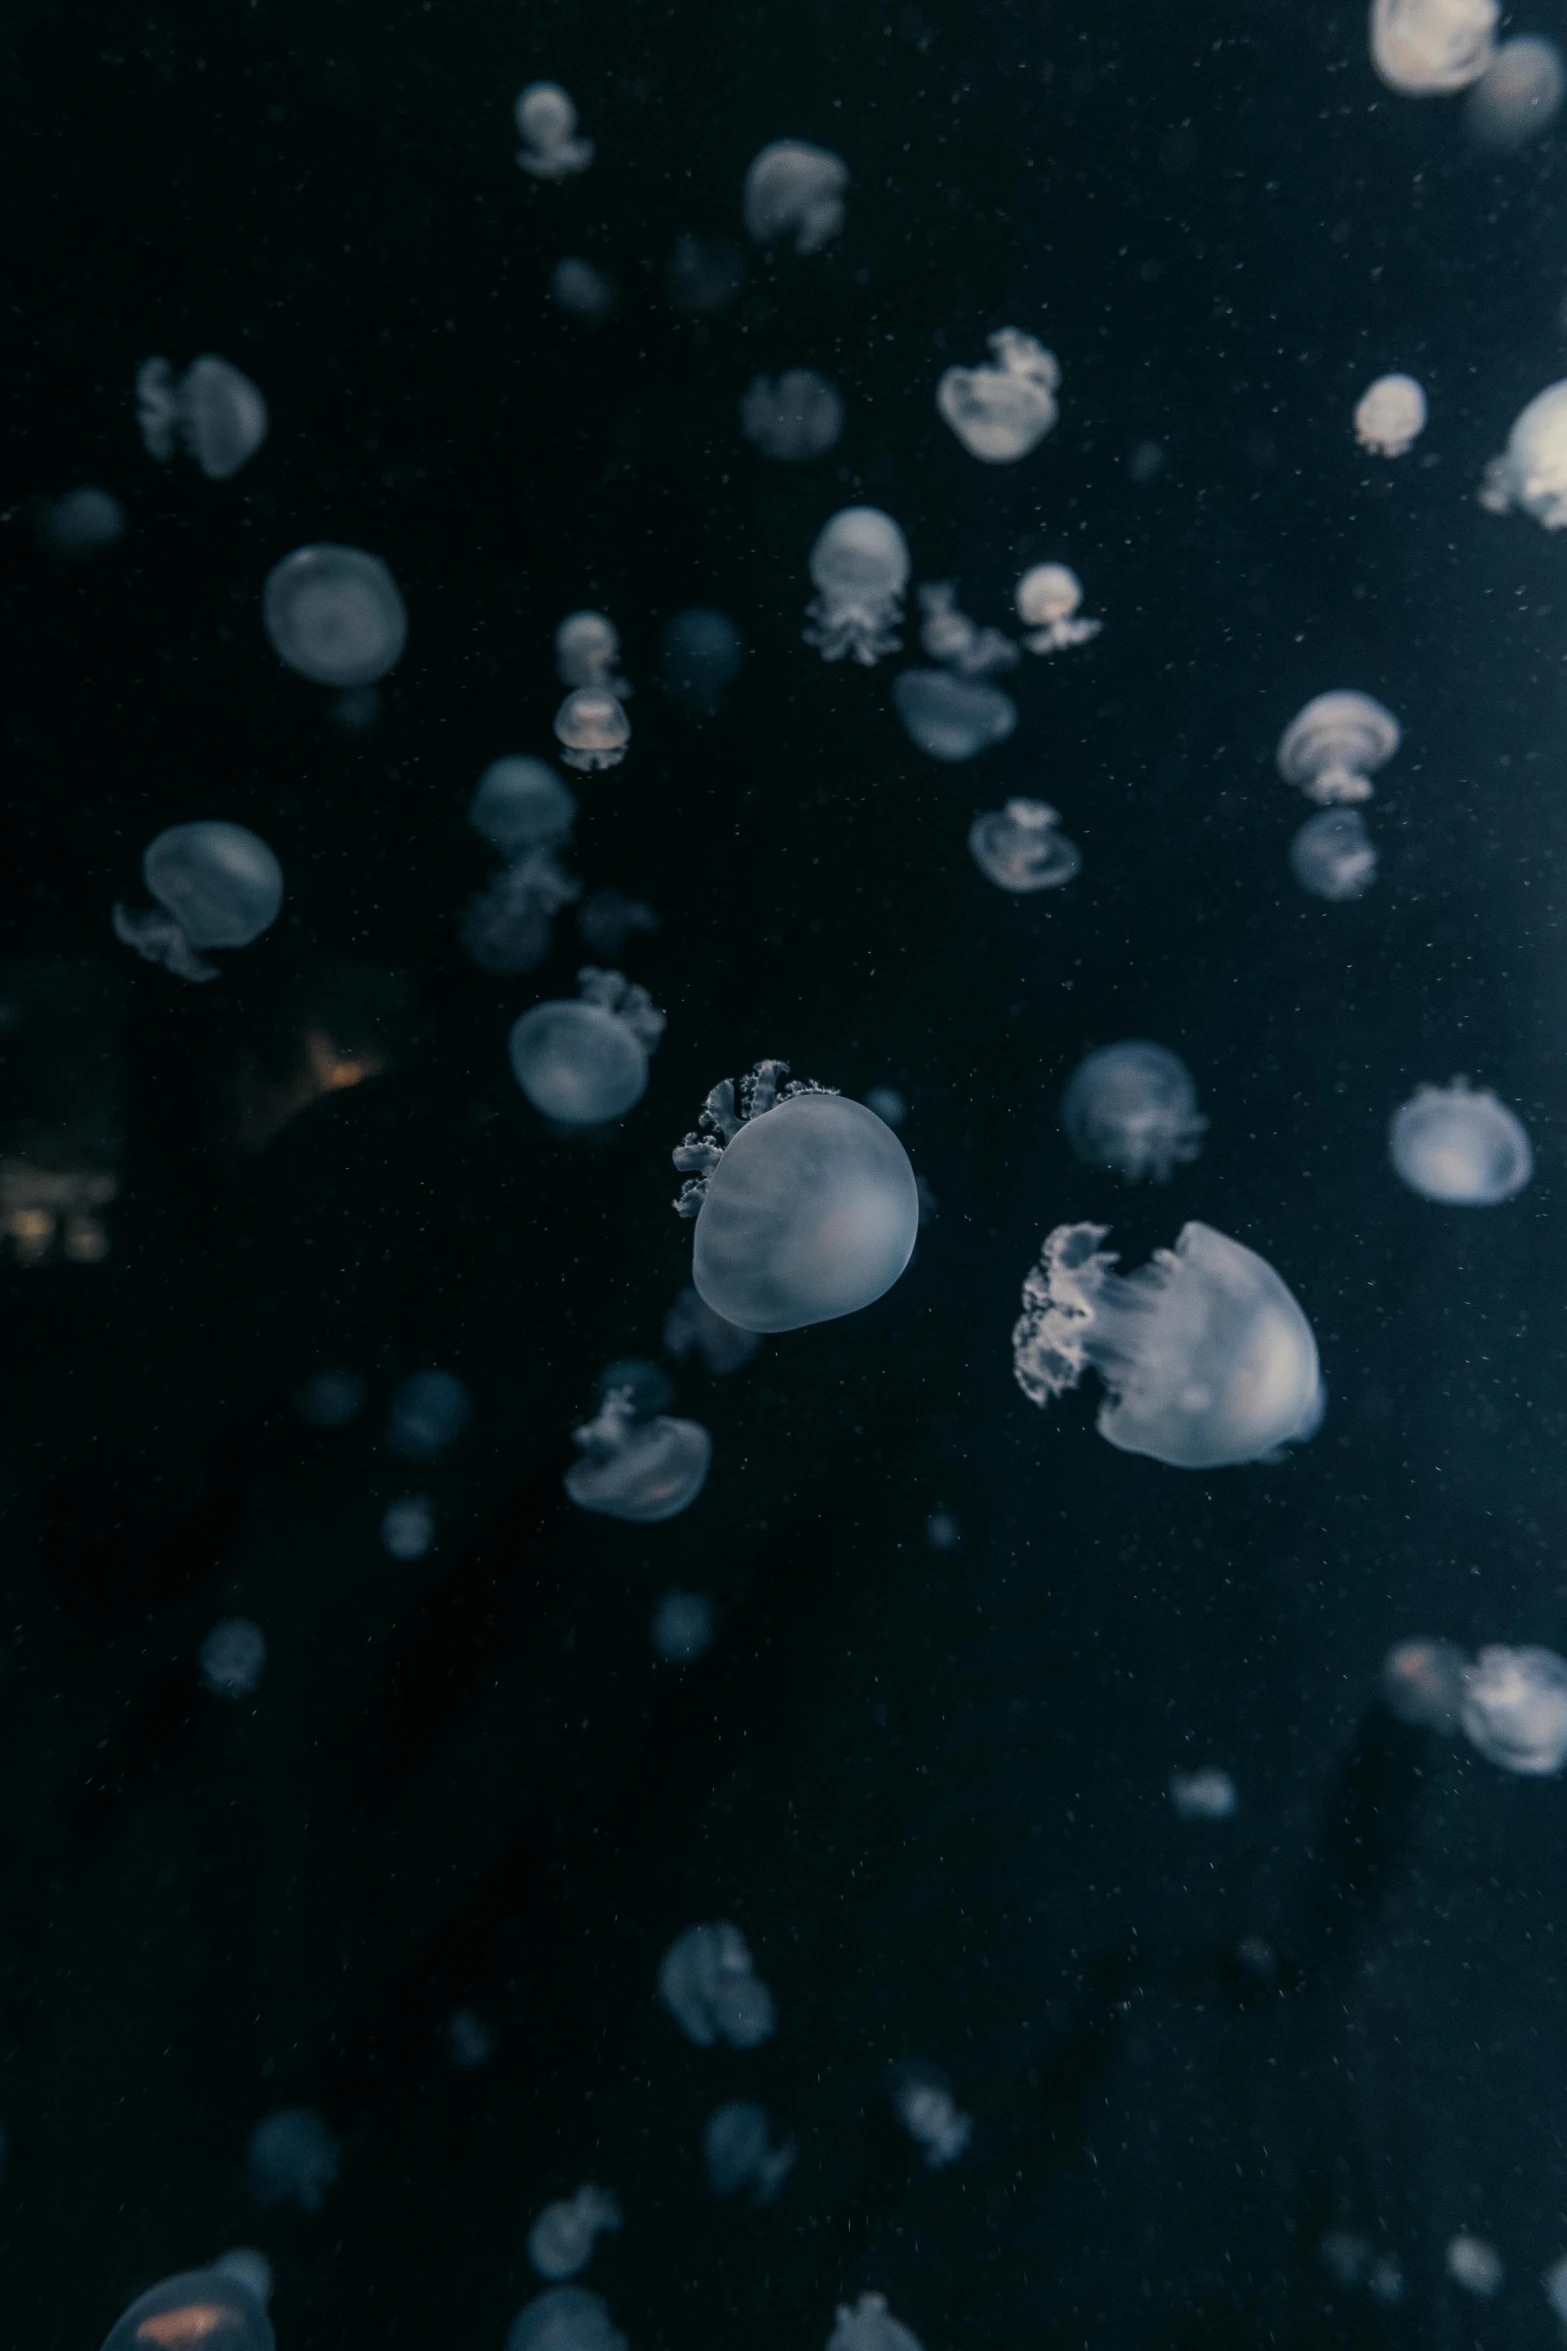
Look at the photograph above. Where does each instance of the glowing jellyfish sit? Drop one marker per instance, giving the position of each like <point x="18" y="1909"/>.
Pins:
<point x="293" y="2159"/>
<point x="216" y="412"/>
<point x="81" y="523"/>
<point x="1048" y="597"/>
<point x="923" y="2102"/>
<point x="699" y="658"/>
<point x="1429" y="48"/>
<point x="1333" y="747"/>
<point x="562" y="2239"/>
<point x="1459" y="1145"/>
<point x="691" y="1327"/>
<point x="587" y="647"/>
<point x="1333" y="855"/>
<point x="643" y="1471"/>
<point x="705" y="274"/>
<point x="546" y="123"/>
<point x="950" y="637"/>
<point x="1207" y="1358"/>
<point x="232" y="1656"/>
<point x="870" y="2326"/>
<point x="1514" y="1709"/>
<point x="737" y="2152"/>
<point x="792" y="417"/>
<point x="951" y="718"/>
<point x="1422" y="1684"/>
<point x="430" y="1410"/>
<point x="408" y="1527"/>
<point x="1208" y="1794"/>
<point x="793" y="189"/>
<point x="585" y="1061"/>
<point x="593" y="726"/>
<point x="860" y="568"/>
<point x="1531" y="472"/>
<point x="1518" y="95"/>
<point x="707" y="1983"/>
<point x="1473" y="2264"/>
<point x="200" y="2310"/>
<point x="1019" y="848"/>
<point x="583" y="291"/>
<point x="335" y="615"/>
<point x="1132" y="1108"/>
<point x="1391" y="416"/>
<point x="217" y="885"/>
<point x="1001" y="411"/>
<point x="805" y="1203"/>
<point x="682" y="1627"/>
<point x="567" y="2318"/>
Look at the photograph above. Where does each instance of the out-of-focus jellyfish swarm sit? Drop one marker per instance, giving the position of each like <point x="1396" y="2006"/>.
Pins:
<point x="1206" y="1356"/>
<point x="82" y="522"/>
<point x="592" y="727"/>
<point x="430" y="1410"/>
<point x="1048" y="597"/>
<point x="335" y="615"/>
<point x="1422" y="1683"/>
<point x="584" y="1061"/>
<point x="1333" y="855"/>
<point x="1473" y="2264"/>
<point x="1514" y="1709"/>
<point x="216" y="413"/>
<point x="859" y="568"/>
<point x="562" y="2239"/>
<point x="643" y="1471"/>
<point x="523" y="809"/>
<point x="1001" y="411"/>
<point x="1333" y="747"/>
<point x="566" y="2318"/>
<point x="61" y="1106"/>
<point x="950" y="637"/>
<point x="692" y="1327"/>
<point x="1132" y="1108"/>
<point x="795" y="190"/>
<point x="293" y="2159"/>
<point x="200" y="2310"/>
<point x="923" y="2102"/>
<point x="699" y="658"/>
<point x="1459" y="1145"/>
<point x="1020" y="848"/>
<point x="408" y="1527"/>
<point x="1429" y="48"/>
<point x="951" y="718"/>
<point x="232" y="1657"/>
<point x="792" y="417"/>
<point x="805" y="1203"/>
<point x="737" y="2152"/>
<point x="870" y="2326"/>
<point x="546" y="122"/>
<point x="682" y="1627"/>
<point x="1391" y="416"/>
<point x="583" y="290"/>
<point x="1519" y="94"/>
<point x="587" y="647"/>
<point x="217" y="885"/>
<point x="1208" y="1794"/>
<point x="1531" y="473"/>
<point x="706" y="1981"/>
<point x="704" y="275"/>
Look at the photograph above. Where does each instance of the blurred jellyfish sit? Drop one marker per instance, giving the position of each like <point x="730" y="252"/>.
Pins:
<point x="1132" y="1108"/>
<point x="691" y="1327"/>
<point x="430" y="1410"/>
<point x="1554" y="2281"/>
<point x="232" y="1656"/>
<point x="1333" y="747"/>
<point x="567" y="2318"/>
<point x="950" y="637"/>
<point x="546" y="123"/>
<point x="1047" y="600"/>
<point x="252" y="2269"/>
<point x="582" y="290"/>
<point x="587" y="647"/>
<point x="1514" y="1709"/>
<point x="870" y="2326"/>
<point x="331" y="1399"/>
<point x="951" y="718"/>
<point x="1428" y="48"/>
<point x="889" y="1105"/>
<point x="522" y="804"/>
<point x="923" y="2102"/>
<point x="561" y="2240"/>
<point x="805" y="1203"/>
<point x="585" y="1061"/>
<point x="1205" y="1355"/>
<point x="737" y="2152"/>
<point x="1333" y="855"/>
<point x="1146" y="463"/>
<point x="942" y="1531"/>
<point x="1422" y="1684"/>
<point x="1531" y="473"/>
<point x="593" y="726"/>
<point x="682" y="1627"/>
<point x="408" y="1527"/>
<point x="507" y="926"/>
<point x="1473" y="2264"/>
<point x="1019" y="848"/>
<point x="1458" y="1144"/>
<point x="293" y="2159"/>
<point x="1208" y="1794"/>
<point x="606" y="919"/>
<point x="469" y="2040"/>
<point x="792" y="417"/>
<point x="860" y="568"/>
<point x="199" y="2308"/>
<point x="214" y="410"/>
<point x="705" y="1980"/>
<point x="217" y="885"/>
<point x="650" y="1389"/>
<point x="1518" y="95"/>
<point x="1391" y="416"/>
<point x="1002" y="410"/>
<point x="793" y="189"/>
<point x="699" y="658"/>
<point x="704" y="275"/>
<point x="81" y="522"/>
<point x="643" y="1471"/>
<point x="335" y="615"/>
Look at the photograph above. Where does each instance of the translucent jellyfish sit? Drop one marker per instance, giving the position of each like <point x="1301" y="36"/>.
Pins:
<point x="705" y="274"/>
<point x="705" y="1980"/>
<point x="1391" y="416"/>
<point x="682" y="1627"/>
<point x="1020" y="849"/>
<point x="951" y="718"/>
<point x="691" y="1327"/>
<point x="1208" y="1794"/>
<point x="643" y="1471"/>
<point x="1514" y="1709"/>
<point x="561" y="2240"/>
<point x="584" y="1062"/>
<point x="651" y="1390"/>
<point x="430" y="1410"/>
<point x="737" y="2152"/>
<point x="470" y="2042"/>
<point x="950" y="637"/>
<point x="331" y="1399"/>
<point x="1333" y="747"/>
<point x="200" y="2310"/>
<point x="870" y="2326"/>
<point x="1473" y="2264"/>
<point x="522" y="804"/>
<point x="582" y="290"/>
<point x="1531" y="472"/>
<point x="1001" y="411"/>
<point x="587" y="647"/>
<point x="335" y="615"/>
<point x="923" y="2102"/>
<point x="805" y="1203"/>
<point x="793" y="189"/>
<point x="699" y="658"/>
<point x="1205" y="1355"/>
<point x="1333" y="855"/>
<point x="507" y="926"/>
<point x="889" y="1105"/>
<point x="593" y="726"/>
<point x="1047" y="602"/>
<point x="606" y="919"/>
<point x="792" y="417"/>
<point x="252" y="2269"/>
<point x="408" y="1527"/>
<point x="860" y="568"/>
<point x="293" y="2159"/>
<point x="1132" y="1108"/>
<point x="1519" y="94"/>
<point x="1428" y="48"/>
<point x="81" y="522"/>
<point x="215" y="411"/>
<point x="1146" y="463"/>
<point x="1458" y="1144"/>
<point x="942" y="1531"/>
<point x="232" y="1656"/>
<point x="546" y="123"/>
<point x="217" y="885"/>
<point x="567" y="2318"/>
<point x="1422" y="1684"/>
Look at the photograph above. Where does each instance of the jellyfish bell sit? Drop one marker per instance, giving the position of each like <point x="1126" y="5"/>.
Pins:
<point x="700" y="653"/>
<point x="708" y="1984"/>
<point x="951" y="718"/>
<point x="643" y="1471"/>
<point x="80" y="523"/>
<point x="1422" y="1684"/>
<point x="1001" y="411"/>
<point x="583" y="1061"/>
<point x="1047" y="599"/>
<point x="1390" y="416"/>
<point x="957" y="642"/>
<point x="583" y="290"/>
<point x="793" y="189"/>
<point x="1458" y="1144"/>
<point x="1531" y="473"/>
<point x="860" y="569"/>
<point x="199" y="2310"/>
<point x="1132" y="1108"/>
<point x="1333" y="855"/>
<point x="587" y="647"/>
<point x="335" y="615"/>
<point x="1021" y="848"/>
<point x="546" y="120"/>
<point x="1333" y="747"/>
<point x="562" y="2238"/>
<point x="216" y="413"/>
<point x="217" y="885"/>
<point x="792" y="417"/>
<point x="565" y="2318"/>
<point x="592" y="725"/>
<point x="1518" y="96"/>
<point x="1429" y="48"/>
<point x="682" y="1627"/>
<point x="522" y="804"/>
<point x="1514" y="1709"/>
<point x="292" y="2159"/>
<point x="737" y="2152"/>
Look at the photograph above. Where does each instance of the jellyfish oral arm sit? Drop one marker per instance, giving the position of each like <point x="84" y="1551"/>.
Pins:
<point x="158" y="938"/>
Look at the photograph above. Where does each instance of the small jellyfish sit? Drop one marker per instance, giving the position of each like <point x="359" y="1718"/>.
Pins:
<point x="561" y="2240"/>
<point x="217" y="885"/>
<point x="793" y="189"/>
<point x="80" y="523"/>
<point x="705" y="1980"/>
<point x="584" y="1061"/>
<point x="699" y="658"/>
<point x="1473" y="2264"/>
<point x="430" y="1410"/>
<point x="214" y="410"/>
<point x="606" y="919"/>
<point x="1002" y="410"/>
<point x="335" y="615"/>
<point x="470" y="2042"/>
<point x="950" y="637"/>
<point x="1459" y="1145"/>
<point x="293" y="2159"/>
<point x="1019" y="848"/>
<point x="870" y="2326"/>
<point x="1514" y="1709"/>
<point x="1333" y="855"/>
<point x="1518" y="95"/>
<point x="521" y="804"/>
<point x="805" y="1203"/>
<point x="408" y="1527"/>
<point x="704" y="275"/>
<point x="200" y="2310"/>
<point x="682" y="1627"/>
<point x="566" y="2318"/>
<point x="1428" y="48"/>
<point x="737" y="2152"/>
<point x="923" y="2102"/>
<point x="792" y="417"/>
<point x="1208" y="1794"/>
<point x="889" y="1105"/>
<point x="1206" y="1357"/>
<point x="1333" y="747"/>
<point x="1047" y="600"/>
<point x="691" y="1327"/>
<point x="859" y="568"/>
<point x="587" y="647"/>
<point x="546" y="123"/>
<point x="232" y="1656"/>
<point x="1132" y="1108"/>
<point x="331" y="1399"/>
<point x="1391" y="416"/>
<point x="1422" y="1683"/>
<point x="942" y="1531"/>
<point x="582" y="290"/>
<point x="507" y="927"/>
<point x="642" y="1471"/>
<point x="951" y="718"/>
<point x="1531" y="473"/>
<point x="593" y="726"/>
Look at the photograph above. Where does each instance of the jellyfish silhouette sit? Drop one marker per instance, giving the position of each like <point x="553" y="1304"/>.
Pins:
<point x="1429" y="48"/>
<point x="335" y="615"/>
<point x="584" y="1061"/>
<point x="923" y="2102"/>
<point x="1020" y="848"/>
<point x="950" y="637"/>
<point x="587" y="647"/>
<point x="1047" y="600"/>
<point x="562" y="2239"/>
<point x="1422" y="1684"/>
<point x="951" y="718"/>
<point x="707" y="1983"/>
<point x="546" y="122"/>
<point x="1333" y="747"/>
<point x="793" y="189"/>
<point x="1514" y="1709"/>
<point x="592" y="725"/>
<point x="232" y="1656"/>
<point x="792" y="417"/>
<point x="213" y="410"/>
<point x="1459" y="1145"/>
<point x="1473" y="2264"/>
<point x="508" y="925"/>
<point x="643" y="1471"/>
<point x="1518" y="95"/>
<point x="1390" y="416"/>
<point x="1132" y="1108"/>
<point x="859" y="568"/>
<point x="737" y="2152"/>
<point x="699" y="658"/>
<point x="566" y="2318"/>
<point x="217" y="885"/>
<point x="1333" y="855"/>
<point x="199" y="2310"/>
<point x="868" y="2325"/>
<point x="1531" y="473"/>
<point x="293" y="2159"/>
<point x="1002" y="411"/>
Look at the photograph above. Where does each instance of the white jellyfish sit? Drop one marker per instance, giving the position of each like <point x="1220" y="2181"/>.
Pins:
<point x="691" y="1327"/>
<point x="81" y="522"/>
<point x="408" y="1527"/>
<point x="704" y="275"/>
<point x="561" y="2240"/>
<point x="793" y="189"/>
<point x="583" y="290"/>
<point x="587" y="647"/>
<point x="1020" y="848"/>
<point x="643" y="1471"/>
<point x="1459" y="1145"/>
<point x="1429" y="48"/>
<point x="1514" y="1709"/>
<point x="293" y="2159"/>
<point x="682" y="1627"/>
<point x="335" y="615"/>
<point x="1422" y="1683"/>
<point x="805" y="1203"/>
<point x="923" y="2102"/>
<point x="1047" y="600"/>
<point x="1473" y="2264"/>
<point x="1333" y="747"/>
<point x="566" y="2318"/>
<point x="214" y="410"/>
<point x="592" y="725"/>
<point x="217" y="885"/>
<point x="737" y="2152"/>
<point x="792" y="417"/>
<point x="860" y="568"/>
<point x="1519" y="94"/>
<point x="584" y="1061"/>
<point x="232" y="1656"/>
<point x="204" y="2307"/>
<point x="521" y="804"/>
<point x="942" y="1531"/>
<point x="1208" y="1794"/>
<point x="950" y="637"/>
<point x="1001" y="411"/>
<point x="1206" y="1356"/>
<point x="1132" y="1108"/>
<point x="870" y="2326"/>
<point x="546" y="122"/>
<point x="1531" y="473"/>
<point x="707" y="1983"/>
<point x="1333" y="855"/>
<point x="1391" y="416"/>
<point x="951" y="718"/>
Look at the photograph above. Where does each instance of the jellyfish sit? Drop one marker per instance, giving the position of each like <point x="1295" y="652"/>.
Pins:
<point x="522" y="804"/>
<point x="704" y="275"/>
<point x="546" y="123"/>
<point x="561" y="2240"/>
<point x="1333" y="855"/>
<point x="81" y="522"/>
<point x="566" y="2318"/>
<point x="870" y="2326"/>
<point x="1206" y="1357"/>
<point x="508" y="925"/>
<point x="792" y="417"/>
<point x="1146" y="462"/>
<point x="950" y="637"/>
<point x="430" y="1410"/>
<point x="691" y="1327"/>
<point x="606" y="919"/>
<point x="860" y="568"/>
<point x="1459" y="1145"/>
<point x="470" y="2042"/>
<point x="793" y="189"/>
<point x="1428" y="48"/>
<point x="650" y="1390"/>
<point x="706" y="1982"/>
<point x="1518" y="95"/>
<point x="217" y="885"/>
<point x="1554" y="2281"/>
<point x="587" y="647"/>
<point x="293" y="2159"/>
<point x="200" y="2310"/>
<point x="335" y="615"/>
<point x="1019" y="848"/>
<point x="805" y="1203"/>
<point x="699" y="658"/>
<point x="331" y="1399"/>
<point x="408" y="1527"/>
<point x="232" y="1656"/>
<point x="584" y="1061"/>
<point x="640" y="1470"/>
<point x="682" y="1627"/>
<point x="1208" y="1794"/>
<point x="252" y="2269"/>
<point x="890" y="1106"/>
<point x="1002" y="410"/>
<point x="1514" y="1709"/>
<point x="1333" y="747"/>
<point x="737" y="2152"/>
<point x="942" y="1531"/>
<point x="593" y="726"/>
<point x="1422" y="1684"/>
<point x="923" y="2102"/>
<point x="1132" y="1108"/>
<point x="1473" y="2264"/>
<point x="1047" y="600"/>
<point x="1391" y="416"/>
<point x="1531" y="472"/>
<point x="951" y="718"/>
<point x="582" y="290"/>
<point x="214" y="410"/>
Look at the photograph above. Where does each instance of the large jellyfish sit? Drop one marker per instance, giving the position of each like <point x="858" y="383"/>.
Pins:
<point x="566" y="2318"/>
<point x="587" y="647"/>
<point x="217" y="885"/>
<point x="293" y="2159"/>
<point x="214" y="410"/>
<point x="430" y="1410"/>
<point x="232" y="1657"/>
<point x="1333" y="855"/>
<point x="699" y="658"/>
<point x="860" y="568"/>
<point x="1001" y="411"/>
<point x="1518" y="95"/>
<point x="793" y="189"/>
<point x="1132" y="1108"/>
<point x="923" y="2102"/>
<point x="593" y="727"/>
<point x="1459" y="1145"/>
<point x="792" y="417"/>
<point x="643" y="1471"/>
<point x="1531" y="473"/>
<point x="1206" y="1356"/>
<point x="200" y="2310"/>
<point x="562" y="2239"/>
<point x="546" y="122"/>
<point x="1422" y="1683"/>
<point x="1333" y="747"/>
<point x="951" y="718"/>
<point x="335" y="615"/>
<point x="691" y="1327"/>
<point x="1021" y="848"/>
<point x="1514" y="1709"/>
<point x="870" y="2326"/>
<point x="1428" y="48"/>
<point x="805" y="1203"/>
<point x="1391" y="416"/>
<point x="707" y="1983"/>
<point x="737" y="2152"/>
<point x="950" y="637"/>
<point x="1047" y="600"/>
<point x="584" y="1061"/>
